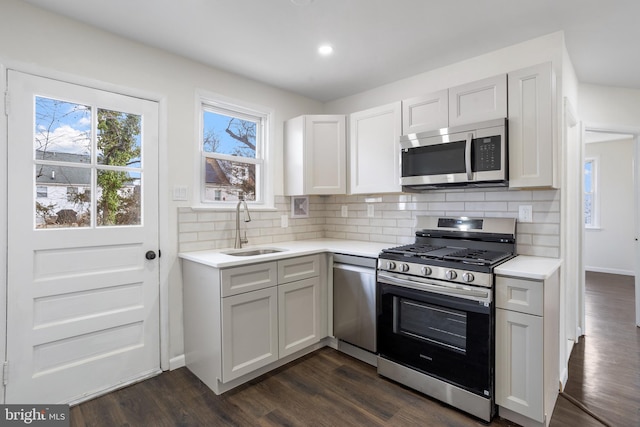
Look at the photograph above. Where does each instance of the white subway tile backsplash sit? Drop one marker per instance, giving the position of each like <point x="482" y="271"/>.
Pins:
<point x="393" y="221"/>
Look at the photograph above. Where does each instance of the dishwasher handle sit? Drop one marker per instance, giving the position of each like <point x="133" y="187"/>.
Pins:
<point x="354" y="268"/>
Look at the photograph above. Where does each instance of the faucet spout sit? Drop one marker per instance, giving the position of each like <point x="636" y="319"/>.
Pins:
<point x="247" y="217"/>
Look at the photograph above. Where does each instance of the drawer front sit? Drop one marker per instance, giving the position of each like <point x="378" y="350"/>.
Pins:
<point x="522" y="295"/>
<point x="238" y="280"/>
<point x="292" y="269"/>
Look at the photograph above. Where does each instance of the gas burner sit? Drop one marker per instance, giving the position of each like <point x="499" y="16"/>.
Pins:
<point x="477" y="256"/>
<point x="412" y="250"/>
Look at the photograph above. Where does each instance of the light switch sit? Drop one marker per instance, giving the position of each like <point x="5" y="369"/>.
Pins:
<point x="180" y="192"/>
<point x="284" y="221"/>
<point x="344" y="211"/>
<point x="370" y="211"/>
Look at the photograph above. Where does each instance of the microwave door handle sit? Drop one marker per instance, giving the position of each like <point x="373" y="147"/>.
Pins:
<point x="467" y="156"/>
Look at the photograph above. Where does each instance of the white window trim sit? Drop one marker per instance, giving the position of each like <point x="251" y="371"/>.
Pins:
<point x="595" y="214"/>
<point x="216" y="100"/>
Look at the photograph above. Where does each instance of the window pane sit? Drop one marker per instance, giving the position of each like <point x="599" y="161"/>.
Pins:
<point x="588" y="209"/>
<point x="226" y="180"/>
<point x="62" y="131"/>
<point x="54" y="207"/>
<point x="118" y="138"/>
<point x="119" y="201"/>
<point x="588" y="176"/>
<point x="229" y="135"/>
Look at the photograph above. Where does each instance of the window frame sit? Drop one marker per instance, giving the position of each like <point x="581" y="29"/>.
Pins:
<point x="243" y="110"/>
<point x="595" y="209"/>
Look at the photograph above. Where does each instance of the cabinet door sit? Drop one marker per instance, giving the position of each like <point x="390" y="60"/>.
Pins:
<point x="478" y="101"/>
<point x="298" y="315"/>
<point x="519" y="363"/>
<point x="325" y="167"/>
<point x="249" y="332"/>
<point x="375" y="151"/>
<point x="531" y="136"/>
<point x="427" y="112"/>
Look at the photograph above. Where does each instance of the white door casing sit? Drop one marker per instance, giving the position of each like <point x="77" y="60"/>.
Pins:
<point x="82" y="301"/>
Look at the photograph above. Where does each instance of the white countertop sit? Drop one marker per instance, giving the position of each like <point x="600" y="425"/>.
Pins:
<point x="218" y="259"/>
<point x="529" y="267"/>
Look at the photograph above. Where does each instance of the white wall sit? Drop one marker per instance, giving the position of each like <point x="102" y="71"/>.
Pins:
<point x="611" y="247"/>
<point x="36" y="41"/>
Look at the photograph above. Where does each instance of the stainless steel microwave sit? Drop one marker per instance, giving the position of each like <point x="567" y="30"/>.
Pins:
<point x="473" y="155"/>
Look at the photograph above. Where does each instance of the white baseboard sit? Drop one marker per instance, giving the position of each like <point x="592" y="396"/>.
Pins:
<point x="177" y="362"/>
<point x="610" y="270"/>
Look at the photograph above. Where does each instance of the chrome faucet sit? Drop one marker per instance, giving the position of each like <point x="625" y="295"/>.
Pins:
<point x="247" y="218"/>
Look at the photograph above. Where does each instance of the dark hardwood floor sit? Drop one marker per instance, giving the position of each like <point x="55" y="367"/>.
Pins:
<point x="328" y="388"/>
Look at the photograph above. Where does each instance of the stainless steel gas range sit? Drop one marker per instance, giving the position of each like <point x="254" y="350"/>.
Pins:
<point x="436" y="313"/>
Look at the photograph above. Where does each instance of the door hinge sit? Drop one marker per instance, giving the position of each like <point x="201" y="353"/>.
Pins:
<point x="5" y="372"/>
<point x="7" y="103"/>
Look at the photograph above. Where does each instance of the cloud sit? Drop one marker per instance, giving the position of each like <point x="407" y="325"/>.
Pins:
<point x="63" y="139"/>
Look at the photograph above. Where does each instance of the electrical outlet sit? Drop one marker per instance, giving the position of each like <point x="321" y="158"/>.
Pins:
<point x="344" y="211"/>
<point x="525" y="213"/>
<point x="370" y="211"/>
<point x="284" y="221"/>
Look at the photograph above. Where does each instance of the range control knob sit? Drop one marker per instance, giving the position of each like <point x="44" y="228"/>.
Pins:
<point x="426" y="271"/>
<point x="404" y="268"/>
<point x="450" y="274"/>
<point x="391" y="265"/>
<point x="468" y="277"/>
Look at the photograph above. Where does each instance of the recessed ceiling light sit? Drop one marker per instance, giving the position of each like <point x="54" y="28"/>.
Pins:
<point x="325" y="50"/>
<point x="302" y="2"/>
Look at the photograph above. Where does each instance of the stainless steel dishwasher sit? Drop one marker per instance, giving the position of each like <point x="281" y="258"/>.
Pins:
<point x="354" y="300"/>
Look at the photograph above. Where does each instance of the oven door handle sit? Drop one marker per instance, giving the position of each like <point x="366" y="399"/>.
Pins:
<point x="476" y="295"/>
<point x="467" y="156"/>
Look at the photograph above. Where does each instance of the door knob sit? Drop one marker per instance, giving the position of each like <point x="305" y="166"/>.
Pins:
<point x="150" y="255"/>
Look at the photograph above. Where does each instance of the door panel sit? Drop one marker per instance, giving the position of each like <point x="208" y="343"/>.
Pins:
<point x="83" y="301"/>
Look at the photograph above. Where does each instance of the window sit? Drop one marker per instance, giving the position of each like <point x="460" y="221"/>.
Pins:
<point x="41" y="191"/>
<point x="232" y="149"/>
<point x="590" y="205"/>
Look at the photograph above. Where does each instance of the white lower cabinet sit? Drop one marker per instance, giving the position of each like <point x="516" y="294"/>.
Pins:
<point x="242" y="321"/>
<point x="298" y="315"/>
<point x="249" y="332"/>
<point x="527" y="348"/>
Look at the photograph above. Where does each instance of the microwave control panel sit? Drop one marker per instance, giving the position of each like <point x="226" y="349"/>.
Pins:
<point x="486" y="154"/>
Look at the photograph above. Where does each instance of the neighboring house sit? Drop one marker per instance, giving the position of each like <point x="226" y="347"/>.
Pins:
<point x="61" y="188"/>
<point x="220" y="182"/>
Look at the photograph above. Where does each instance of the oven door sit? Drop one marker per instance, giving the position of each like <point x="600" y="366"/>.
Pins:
<point x="473" y="156"/>
<point x="443" y="334"/>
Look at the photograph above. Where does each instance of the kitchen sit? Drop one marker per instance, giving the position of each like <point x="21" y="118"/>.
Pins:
<point x="393" y="213"/>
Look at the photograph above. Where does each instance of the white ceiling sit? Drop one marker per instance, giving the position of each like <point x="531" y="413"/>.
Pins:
<point x="375" y="41"/>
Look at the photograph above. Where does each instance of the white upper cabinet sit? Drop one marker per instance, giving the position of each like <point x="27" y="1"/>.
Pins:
<point x="532" y="147"/>
<point x="374" y="150"/>
<point x="315" y="155"/>
<point x="478" y="101"/>
<point x="426" y="112"/>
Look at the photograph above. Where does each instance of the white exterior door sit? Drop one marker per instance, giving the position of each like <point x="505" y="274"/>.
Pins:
<point x="83" y="299"/>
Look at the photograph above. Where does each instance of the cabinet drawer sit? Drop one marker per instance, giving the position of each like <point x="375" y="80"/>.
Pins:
<point x="238" y="280"/>
<point x="299" y="268"/>
<point x="525" y="296"/>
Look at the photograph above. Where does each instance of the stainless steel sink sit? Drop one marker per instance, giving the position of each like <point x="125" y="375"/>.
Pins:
<point x="253" y="252"/>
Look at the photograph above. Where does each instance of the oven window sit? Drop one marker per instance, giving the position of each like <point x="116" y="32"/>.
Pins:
<point x="443" y="326"/>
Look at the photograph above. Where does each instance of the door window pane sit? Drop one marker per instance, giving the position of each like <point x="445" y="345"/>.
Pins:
<point x="62" y="131"/>
<point x="118" y="139"/>
<point x="63" y="197"/>
<point x="119" y="201"/>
